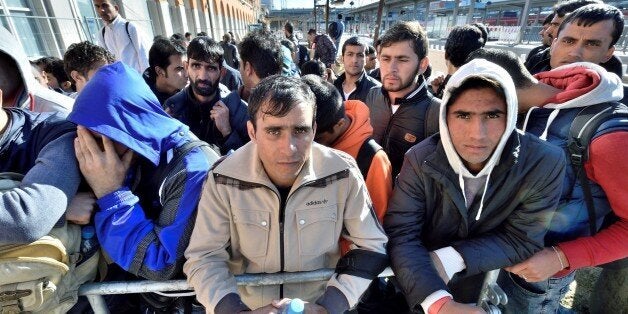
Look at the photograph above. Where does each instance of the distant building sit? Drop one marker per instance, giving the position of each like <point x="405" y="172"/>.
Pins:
<point x="47" y="28"/>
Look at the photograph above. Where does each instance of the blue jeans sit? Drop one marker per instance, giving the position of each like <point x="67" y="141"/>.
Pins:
<point x="533" y="297"/>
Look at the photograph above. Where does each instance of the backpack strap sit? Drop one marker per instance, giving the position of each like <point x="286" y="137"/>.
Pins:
<point x="103" y="37"/>
<point x="179" y="153"/>
<point x="365" y="155"/>
<point x="431" y="117"/>
<point x="583" y="128"/>
<point x="126" y="25"/>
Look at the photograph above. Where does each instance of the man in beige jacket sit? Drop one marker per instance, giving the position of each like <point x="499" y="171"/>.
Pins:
<point x="280" y="204"/>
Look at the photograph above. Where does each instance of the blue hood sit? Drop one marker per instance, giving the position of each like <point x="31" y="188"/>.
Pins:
<point x="117" y="103"/>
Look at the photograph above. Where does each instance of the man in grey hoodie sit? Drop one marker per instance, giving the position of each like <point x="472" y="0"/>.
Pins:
<point x="474" y="198"/>
<point x="19" y="87"/>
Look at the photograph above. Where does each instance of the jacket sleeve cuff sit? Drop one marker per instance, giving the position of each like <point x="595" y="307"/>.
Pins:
<point x="121" y="196"/>
<point x="433" y="298"/>
<point x="451" y="260"/>
<point x="333" y="300"/>
<point x="576" y="256"/>
<point x="229" y="304"/>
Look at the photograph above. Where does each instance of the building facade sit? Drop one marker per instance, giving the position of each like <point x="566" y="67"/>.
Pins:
<point x="48" y="27"/>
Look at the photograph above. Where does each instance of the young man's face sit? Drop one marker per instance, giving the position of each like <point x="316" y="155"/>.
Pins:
<point x="175" y="76"/>
<point x="106" y="9"/>
<point x="476" y="122"/>
<point x="579" y="43"/>
<point x="371" y="62"/>
<point x="283" y="143"/>
<point x="545" y="39"/>
<point x="399" y="66"/>
<point x="52" y="81"/>
<point x="552" y="29"/>
<point x="353" y="60"/>
<point x="204" y="76"/>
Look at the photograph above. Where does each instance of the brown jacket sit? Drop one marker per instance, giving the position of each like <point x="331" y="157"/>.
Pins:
<point x="237" y="228"/>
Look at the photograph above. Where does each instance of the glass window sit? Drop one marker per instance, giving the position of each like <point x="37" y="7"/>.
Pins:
<point x="29" y="34"/>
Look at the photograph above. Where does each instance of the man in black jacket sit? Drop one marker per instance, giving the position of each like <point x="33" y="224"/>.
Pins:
<point x="206" y="106"/>
<point x="354" y="83"/>
<point x="399" y="108"/>
<point x="477" y="197"/>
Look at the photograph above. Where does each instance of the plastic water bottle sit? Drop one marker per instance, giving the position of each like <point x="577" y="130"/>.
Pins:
<point x="296" y="306"/>
<point x="89" y="242"/>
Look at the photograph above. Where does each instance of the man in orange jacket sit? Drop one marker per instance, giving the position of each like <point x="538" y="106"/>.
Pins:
<point x="347" y="127"/>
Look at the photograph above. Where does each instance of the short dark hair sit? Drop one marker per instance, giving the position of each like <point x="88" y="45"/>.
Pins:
<point x="160" y="52"/>
<point x="205" y="49"/>
<point x="475" y="82"/>
<point x="56" y="67"/>
<point x="594" y="13"/>
<point x="176" y="36"/>
<point x="509" y="61"/>
<point x="354" y="41"/>
<point x="315" y="67"/>
<point x="462" y="41"/>
<point x="370" y="50"/>
<point x="201" y="34"/>
<point x="484" y="30"/>
<point x="85" y="56"/>
<point x="280" y="94"/>
<point x="563" y="8"/>
<point x="288" y="27"/>
<point x="329" y="105"/>
<point x="226" y="37"/>
<point x="263" y="51"/>
<point x="187" y="34"/>
<point x="548" y="19"/>
<point x="311" y="31"/>
<point x="411" y="31"/>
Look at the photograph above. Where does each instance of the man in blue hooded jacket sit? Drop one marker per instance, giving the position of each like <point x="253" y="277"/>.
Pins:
<point x="125" y="143"/>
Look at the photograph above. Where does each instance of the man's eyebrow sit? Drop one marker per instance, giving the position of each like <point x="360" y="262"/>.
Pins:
<point x="495" y="111"/>
<point x="593" y="41"/>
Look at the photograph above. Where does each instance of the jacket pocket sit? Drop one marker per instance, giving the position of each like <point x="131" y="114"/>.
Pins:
<point x="316" y="229"/>
<point x="253" y="230"/>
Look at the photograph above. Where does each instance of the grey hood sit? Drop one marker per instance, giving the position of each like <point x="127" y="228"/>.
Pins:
<point x="478" y="67"/>
<point x="34" y="97"/>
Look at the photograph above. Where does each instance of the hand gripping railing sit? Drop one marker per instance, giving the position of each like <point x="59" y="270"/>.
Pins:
<point x="490" y="296"/>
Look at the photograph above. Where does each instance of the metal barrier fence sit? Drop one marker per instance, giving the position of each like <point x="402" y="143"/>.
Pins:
<point x="94" y="291"/>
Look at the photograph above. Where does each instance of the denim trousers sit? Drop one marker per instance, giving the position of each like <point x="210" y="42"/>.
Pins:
<point x="533" y="297"/>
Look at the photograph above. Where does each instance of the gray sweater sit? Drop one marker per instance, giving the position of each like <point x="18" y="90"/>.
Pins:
<point x="31" y="210"/>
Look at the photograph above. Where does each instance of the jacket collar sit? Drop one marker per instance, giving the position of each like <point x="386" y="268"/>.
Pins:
<point x="417" y="94"/>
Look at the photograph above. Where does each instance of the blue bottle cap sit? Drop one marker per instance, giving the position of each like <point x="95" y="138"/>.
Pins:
<point x="296" y="306"/>
<point x="88" y="232"/>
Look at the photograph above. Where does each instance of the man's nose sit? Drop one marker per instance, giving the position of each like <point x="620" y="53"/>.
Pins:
<point x="477" y="129"/>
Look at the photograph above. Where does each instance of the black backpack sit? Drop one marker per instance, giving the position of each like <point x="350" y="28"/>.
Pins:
<point x="583" y="128"/>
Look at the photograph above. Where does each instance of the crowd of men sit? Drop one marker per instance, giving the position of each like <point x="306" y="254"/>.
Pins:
<point x="203" y="159"/>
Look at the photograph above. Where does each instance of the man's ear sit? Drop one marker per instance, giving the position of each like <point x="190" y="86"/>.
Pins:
<point x="251" y="130"/>
<point x="423" y="64"/>
<point x="248" y="68"/>
<point x="76" y="76"/>
<point x="66" y="85"/>
<point x="159" y="71"/>
<point x="223" y="71"/>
